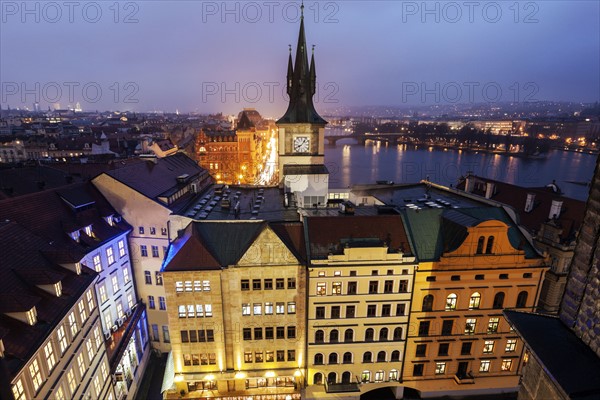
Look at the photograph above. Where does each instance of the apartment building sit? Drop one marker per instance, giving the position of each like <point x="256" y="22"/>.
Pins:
<point x="145" y="193"/>
<point x="236" y="305"/>
<point x="359" y="290"/>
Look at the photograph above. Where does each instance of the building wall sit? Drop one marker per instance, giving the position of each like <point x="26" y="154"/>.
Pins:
<point x="434" y="351"/>
<point x="80" y="366"/>
<point x="345" y="281"/>
<point x="536" y="385"/>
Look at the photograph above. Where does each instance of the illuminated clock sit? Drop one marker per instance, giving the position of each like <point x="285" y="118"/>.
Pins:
<point x="301" y="144"/>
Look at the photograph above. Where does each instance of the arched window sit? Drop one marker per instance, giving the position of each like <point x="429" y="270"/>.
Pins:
<point x="369" y="334"/>
<point x="475" y="300"/>
<point x="319" y="336"/>
<point x="451" y="302"/>
<point x="383" y="335"/>
<point x="348" y="335"/>
<point x="367" y="357"/>
<point x="334" y="336"/>
<point x="480" y="245"/>
<point x="346" y="377"/>
<point x="398" y="334"/>
<point x="318" y="379"/>
<point x="381" y="356"/>
<point x="490" y="245"/>
<point x="318" y="359"/>
<point x="427" y="303"/>
<point x="333" y="358"/>
<point x="522" y="299"/>
<point x="331" y="377"/>
<point x="395" y="355"/>
<point x="347" y="358"/>
<point x="499" y="300"/>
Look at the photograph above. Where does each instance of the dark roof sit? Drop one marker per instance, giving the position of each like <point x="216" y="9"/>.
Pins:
<point x="155" y="177"/>
<point x="305" y="169"/>
<point x="331" y="234"/>
<point x="571" y="216"/>
<point x="564" y="357"/>
<point x="292" y="234"/>
<point x="51" y="217"/>
<point x="244" y="123"/>
<point x="216" y="245"/>
<point x="22" y="267"/>
<point x="20" y="181"/>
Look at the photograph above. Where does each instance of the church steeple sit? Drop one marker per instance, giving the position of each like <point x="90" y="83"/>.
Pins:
<point x="302" y="85"/>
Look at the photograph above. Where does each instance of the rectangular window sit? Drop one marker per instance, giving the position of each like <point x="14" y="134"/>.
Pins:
<point x="403" y="288"/>
<point x="447" y="327"/>
<point x="163" y="231"/>
<point x="485" y="366"/>
<point x="350" y="311"/>
<point x="90" y="300"/>
<point x="291" y="355"/>
<point x="258" y="334"/>
<point x="256" y="285"/>
<point x="62" y="339"/>
<point x="201" y="335"/>
<point x="268" y="284"/>
<point x="465" y="348"/>
<point x="179" y="286"/>
<point x="155" y="252"/>
<point x="269" y="356"/>
<point x="103" y="295"/>
<point x="144" y="250"/>
<point x="208" y="310"/>
<point x="335" y="312"/>
<point x="197" y="311"/>
<point x="470" y="326"/>
<point x="291" y="283"/>
<point x="248" y="357"/>
<point x="291" y="307"/>
<point x="130" y="300"/>
<point x="245" y="284"/>
<point x="97" y="263"/>
<point x="210" y="335"/>
<point x="155" y="336"/>
<point x="121" y="246"/>
<point x="152" y="230"/>
<point x="158" y="277"/>
<point x="511" y="345"/>
<point x="110" y="256"/>
<point x="247" y="333"/>
<point x="184" y="337"/>
<point x="373" y="286"/>
<point x="279" y="283"/>
<point x="50" y="357"/>
<point x="418" y="369"/>
<point x="268" y="308"/>
<point x="400" y="309"/>
<point x="269" y="333"/>
<point x="506" y="364"/>
<point x="188" y="286"/>
<point x="166" y="336"/>
<point x="443" y="349"/>
<point x="280" y="308"/>
<point x="388" y="287"/>
<point x="424" y="328"/>
<point x="280" y="355"/>
<point x="440" y="368"/>
<point x="71" y="381"/>
<point x="280" y="332"/>
<point x="206" y="286"/>
<point x="386" y="310"/>
<point x="321" y="288"/>
<point x="141" y="230"/>
<point x="257" y="308"/>
<point x="493" y="325"/>
<point x="258" y="356"/>
<point x="126" y="277"/>
<point x="488" y="347"/>
<point x="18" y="390"/>
<point x="245" y="308"/>
<point x="181" y="310"/>
<point x="36" y="375"/>
<point x="151" y="304"/>
<point x="193" y="336"/>
<point x="336" y="288"/>
<point x="148" y="277"/>
<point x="371" y="310"/>
<point x="351" y="288"/>
<point x="291" y="332"/>
<point x="162" y="303"/>
<point x="421" y="350"/>
<point x="115" y="283"/>
<point x="320" y="312"/>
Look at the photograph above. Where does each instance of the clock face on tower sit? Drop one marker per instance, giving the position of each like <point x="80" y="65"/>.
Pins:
<point x="301" y="144"/>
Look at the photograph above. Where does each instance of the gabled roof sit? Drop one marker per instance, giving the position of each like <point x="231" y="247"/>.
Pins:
<point x="244" y="123"/>
<point x="331" y="234"/>
<point x="154" y="177"/>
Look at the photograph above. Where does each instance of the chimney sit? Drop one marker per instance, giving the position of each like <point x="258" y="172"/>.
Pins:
<point x="555" y="209"/>
<point x="489" y="190"/>
<point x="529" y="202"/>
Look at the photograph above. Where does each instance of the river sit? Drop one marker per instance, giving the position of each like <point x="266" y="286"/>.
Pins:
<point x="351" y="163"/>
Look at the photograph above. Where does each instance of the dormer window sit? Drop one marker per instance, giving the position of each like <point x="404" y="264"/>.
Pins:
<point x="109" y="220"/>
<point x="31" y="316"/>
<point x="88" y="230"/>
<point x="75" y="236"/>
<point x="58" y="288"/>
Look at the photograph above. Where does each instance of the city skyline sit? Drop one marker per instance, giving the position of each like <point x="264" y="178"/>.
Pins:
<point x="220" y="57"/>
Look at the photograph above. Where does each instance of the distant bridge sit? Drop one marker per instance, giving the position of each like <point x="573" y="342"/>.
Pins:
<point x="361" y="138"/>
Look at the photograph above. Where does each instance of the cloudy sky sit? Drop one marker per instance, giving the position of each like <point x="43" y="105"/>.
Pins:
<point x="209" y="56"/>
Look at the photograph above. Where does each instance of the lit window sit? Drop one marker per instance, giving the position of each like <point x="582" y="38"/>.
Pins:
<point x="97" y="386"/>
<point x="181" y="309"/>
<point x="110" y="255"/>
<point x="208" y="310"/>
<point x="488" y="347"/>
<point x="58" y="288"/>
<point x="280" y="308"/>
<point x="90" y="349"/>
<point x="206" y="286"/>
<point x="451" y="302"/>
<point x="120" y="312"/>
<point x="97" y="263"/>
<point x="268" y="308"/>
<point x="36" y="375"/>
<point x="493" y="325"/>
<point x="71" y="381"/>
<point x="506" y="364"/>
<point x="321" y="288"/>
<point x="130" y="300"/>
<point x="291" y="308"/>
<point x="440" y="368"/>
<point x="50" y="358"/>
<point x="115" y="283"/>
<point x="18" y="390"/>
<point x="511" y="345"/>
<point x="475" y="300"/>
<point x="485" y="366"/>
<point x="336" y="288"/>
<point x="188" y="286"/>
<point x="179" y="286"/>
<point x="73" y="324"/>
<point x="88" y="230"/>
<point x="126" y="277"/>
<point x="62" y="339"/>
<point x="59" y="394"/>
<point x="103" y="295"/>
<point x="90" y="300"/>
<point x="257" y="308"/>
<point x="198" y="313"/>
<point x="158" y="277"/>
<point x="246" y="309"/>
<point x="121" y="246"/>
<point x="97" y="337"/>
<point x="470" y="326"/>
<point x="81" y="365"/>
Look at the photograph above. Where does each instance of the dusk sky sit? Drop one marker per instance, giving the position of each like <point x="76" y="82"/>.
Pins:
<point x="223" y="56"/>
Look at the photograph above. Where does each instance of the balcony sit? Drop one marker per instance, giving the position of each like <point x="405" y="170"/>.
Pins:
<point x="466" y="378"/>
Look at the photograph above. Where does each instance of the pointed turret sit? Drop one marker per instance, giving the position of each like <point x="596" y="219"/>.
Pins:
<point x="303" y="84"/>
<point x="313" y="73"/>
<point x="290" y="74"/>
